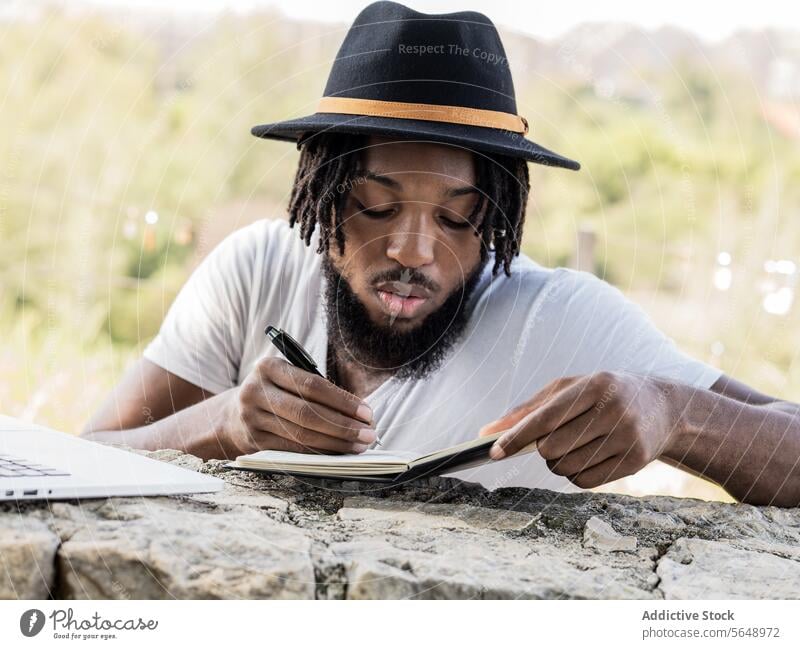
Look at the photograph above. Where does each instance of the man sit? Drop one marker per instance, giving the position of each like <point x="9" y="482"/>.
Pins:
<point x="406" y="285"/>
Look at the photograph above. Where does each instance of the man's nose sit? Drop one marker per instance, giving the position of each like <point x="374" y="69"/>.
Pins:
<point x="412" y="244"/>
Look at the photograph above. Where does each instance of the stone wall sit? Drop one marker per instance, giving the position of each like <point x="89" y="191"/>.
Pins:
<point x="278" y="537"/>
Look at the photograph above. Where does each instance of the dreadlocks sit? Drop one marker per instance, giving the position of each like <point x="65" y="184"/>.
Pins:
<point x="324" y="176"/>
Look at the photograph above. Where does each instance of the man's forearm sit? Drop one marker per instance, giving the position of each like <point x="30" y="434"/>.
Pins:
<point x="753" y="451"/>
<point x="194" y="430"/>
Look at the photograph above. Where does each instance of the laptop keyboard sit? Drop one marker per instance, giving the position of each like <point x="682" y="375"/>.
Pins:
<point x="14" y="467"/>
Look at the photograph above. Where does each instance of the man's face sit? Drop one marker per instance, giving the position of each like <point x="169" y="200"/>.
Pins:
<point x="411" y="254"/>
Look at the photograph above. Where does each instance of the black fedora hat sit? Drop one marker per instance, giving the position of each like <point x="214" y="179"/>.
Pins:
<point x="435" y="77"/>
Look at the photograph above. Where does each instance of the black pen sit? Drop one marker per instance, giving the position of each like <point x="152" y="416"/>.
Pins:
<point x="294" y="352"/>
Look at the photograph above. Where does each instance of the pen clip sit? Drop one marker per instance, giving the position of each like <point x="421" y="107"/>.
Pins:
<point x="298" y="348"/>
<point x="290" y="348"/>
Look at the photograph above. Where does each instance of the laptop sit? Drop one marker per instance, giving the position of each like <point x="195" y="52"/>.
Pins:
<point x="38" y="463"/>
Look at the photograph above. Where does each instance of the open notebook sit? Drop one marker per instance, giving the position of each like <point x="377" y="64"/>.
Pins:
<point x="373" y="465"/>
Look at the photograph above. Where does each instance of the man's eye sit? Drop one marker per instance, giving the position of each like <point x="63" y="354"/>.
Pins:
<point x="456" y="225"/>
<point x="375" y="214"/>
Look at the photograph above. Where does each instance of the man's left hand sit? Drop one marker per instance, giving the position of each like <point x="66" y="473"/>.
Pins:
<point x="592" y="429"/>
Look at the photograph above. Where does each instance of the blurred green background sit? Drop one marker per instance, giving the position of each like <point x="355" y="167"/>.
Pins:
<point x="125" y="156"/>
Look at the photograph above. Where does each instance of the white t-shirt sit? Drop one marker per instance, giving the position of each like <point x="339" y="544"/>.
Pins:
<point x="524" y="331"/>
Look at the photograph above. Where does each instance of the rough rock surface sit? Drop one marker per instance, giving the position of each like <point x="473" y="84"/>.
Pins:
<point x="600" y="535"/>
<point x="279" y="537"/>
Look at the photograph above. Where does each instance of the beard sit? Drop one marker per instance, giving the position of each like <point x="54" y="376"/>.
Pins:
<point x="410" y="353"/>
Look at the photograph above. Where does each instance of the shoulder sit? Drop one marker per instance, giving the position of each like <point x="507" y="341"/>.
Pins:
<point x="270" y="241"/>
<point x="253" y="261"/>
<point x="581" y="286"/>
<point x="531" y="284"/>
<point x="549" y="299"/>
<point x="566" y="288"/>
<point x="263" y="232"/>
<point x="280" y="263"/>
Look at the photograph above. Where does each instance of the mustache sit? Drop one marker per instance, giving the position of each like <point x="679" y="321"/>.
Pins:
<point x="407" y="276"/>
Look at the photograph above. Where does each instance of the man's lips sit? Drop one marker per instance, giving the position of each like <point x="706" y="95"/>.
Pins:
<point x="403" y="289"/>
<point x="400" y="306"/>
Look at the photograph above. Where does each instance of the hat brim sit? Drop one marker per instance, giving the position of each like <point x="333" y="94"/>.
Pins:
<point x="477" y="138"/>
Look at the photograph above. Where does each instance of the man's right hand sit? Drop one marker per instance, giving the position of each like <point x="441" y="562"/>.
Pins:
<point x="281" y="407"/>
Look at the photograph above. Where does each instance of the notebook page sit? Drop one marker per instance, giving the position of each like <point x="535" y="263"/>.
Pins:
<point x="460" y="448"/>
<point x="372" y="456"/>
